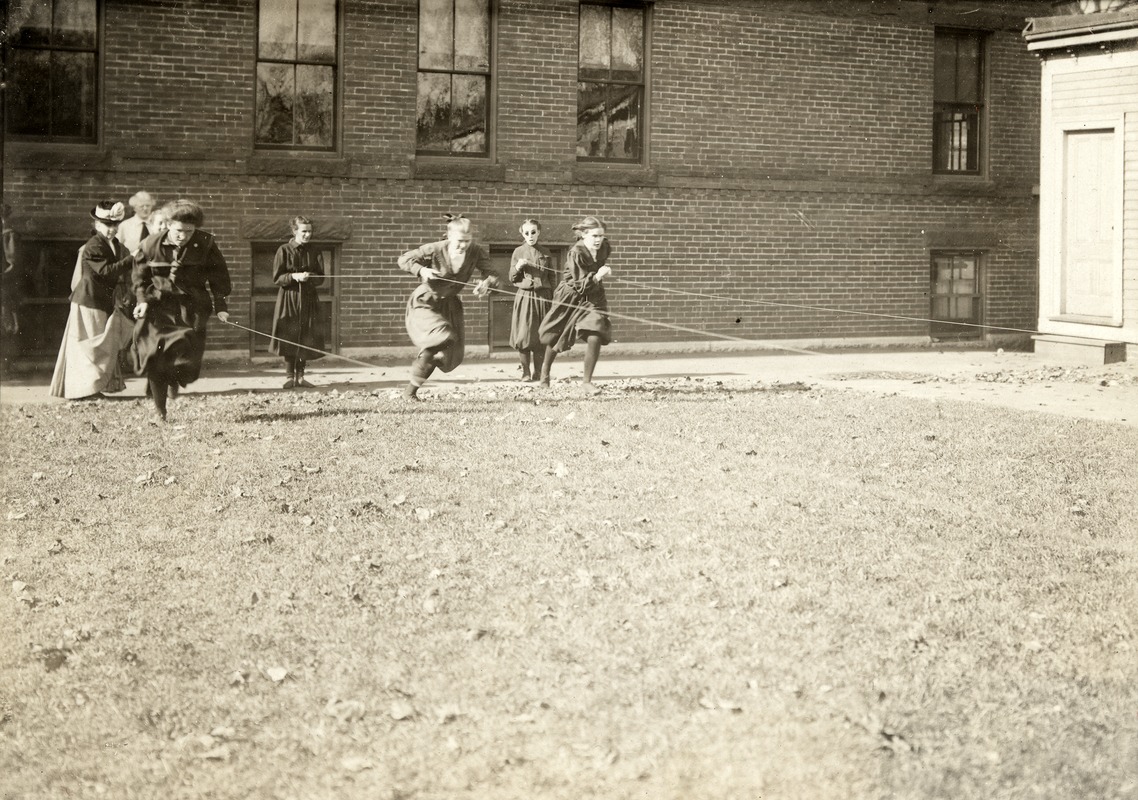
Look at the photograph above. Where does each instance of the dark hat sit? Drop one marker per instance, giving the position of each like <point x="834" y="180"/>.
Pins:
<point x="109" y="212"/>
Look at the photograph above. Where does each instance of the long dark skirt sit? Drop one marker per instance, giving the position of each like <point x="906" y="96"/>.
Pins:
<point x="575" y="316"/>
<point x="296" y="321"/>
<point x="170" y="340"/>
<point x="435" y="322"/>
<point x="530" y="308"/>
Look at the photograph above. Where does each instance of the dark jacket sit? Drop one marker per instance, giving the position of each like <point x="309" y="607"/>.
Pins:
<point x="104" y="265"/>
<point x="200" y="264"/>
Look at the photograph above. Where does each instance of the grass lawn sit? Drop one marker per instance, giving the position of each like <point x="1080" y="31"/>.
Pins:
<point x="677" y="589"/>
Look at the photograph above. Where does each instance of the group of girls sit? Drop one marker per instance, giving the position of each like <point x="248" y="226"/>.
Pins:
<point x="545" y="320"/>
<point x="155" y="302"/>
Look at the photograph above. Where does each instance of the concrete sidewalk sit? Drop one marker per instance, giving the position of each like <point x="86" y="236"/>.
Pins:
<point x="1009" y="379"/>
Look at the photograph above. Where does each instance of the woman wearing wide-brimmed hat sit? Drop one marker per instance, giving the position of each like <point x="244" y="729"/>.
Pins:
<point x="99" y="324"/>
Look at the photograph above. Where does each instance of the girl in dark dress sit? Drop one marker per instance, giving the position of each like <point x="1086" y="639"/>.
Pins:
<point x="532" y="271"/>
<point x="435" y="314"/>
<point x="179" y="281"/>
<point x="579" y="302"/>
<point x="297" y="269"/>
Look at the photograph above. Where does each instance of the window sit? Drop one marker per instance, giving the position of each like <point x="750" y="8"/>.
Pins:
<point x="958" y="101"/>
<point x="453" y="108"/>
<point x="44" y="267"/>
<point x="296" y="74"/>
<point x="52" y="70"/>
<point x="955" y="309"/>
<point x="610" y="82"/>
<point x="264" y="296"/>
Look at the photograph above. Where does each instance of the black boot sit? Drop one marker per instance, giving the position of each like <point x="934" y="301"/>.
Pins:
<point x="300" y="381"/>
<point x="421" y="369"/>
<point x="158" y="395"/>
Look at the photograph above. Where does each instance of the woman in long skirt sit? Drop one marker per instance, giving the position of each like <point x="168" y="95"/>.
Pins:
<point x="531" y="270"/>
<point x="98" y="325"/>
<point x="181" y="279"/>
<point x="298" y="336"/>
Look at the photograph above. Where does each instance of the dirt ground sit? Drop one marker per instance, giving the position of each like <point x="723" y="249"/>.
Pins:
<point x="1015" y="380"/>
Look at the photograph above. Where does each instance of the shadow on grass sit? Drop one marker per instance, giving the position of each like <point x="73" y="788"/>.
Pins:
<point x="698" y="388"/>
<point x="396" y="408"/>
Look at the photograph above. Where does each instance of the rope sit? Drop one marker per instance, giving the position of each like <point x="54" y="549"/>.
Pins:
<point x="672" y="326"/>
<point x="773" y="303"/>
<point x="833" y="310"/>
<point x="301" y="346"/>
<point x="659" y="324"/>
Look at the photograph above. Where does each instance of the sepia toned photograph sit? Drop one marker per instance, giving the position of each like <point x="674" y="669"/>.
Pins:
<point x="565" y="399"/>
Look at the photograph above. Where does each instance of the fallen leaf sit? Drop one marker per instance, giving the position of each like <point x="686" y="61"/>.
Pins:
<point x="53" y="659"/>
<point x="356" y="763"/>
<point x="216" y="754"/>
<point x="401" y="709"/>
<point x="277" y="674"/>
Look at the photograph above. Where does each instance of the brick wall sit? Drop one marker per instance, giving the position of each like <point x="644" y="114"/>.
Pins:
<point x="789" y="162"/>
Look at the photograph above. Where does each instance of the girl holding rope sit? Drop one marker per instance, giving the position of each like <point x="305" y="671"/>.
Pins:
<point x="170" y="282"/>
<point x="434" y="311"/>
<point x="531" y="270"/>
<point x="579" y="304"/>
<point x="298" y="336"/>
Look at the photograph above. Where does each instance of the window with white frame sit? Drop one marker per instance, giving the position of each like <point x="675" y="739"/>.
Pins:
<point x="955" y="307"/>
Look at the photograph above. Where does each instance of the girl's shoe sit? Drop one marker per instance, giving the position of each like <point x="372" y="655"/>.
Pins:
<point x="300" y="381"/>
<point x="290" y="383"/>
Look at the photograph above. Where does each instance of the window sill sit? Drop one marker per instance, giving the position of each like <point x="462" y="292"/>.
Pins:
<point x="1084" y="319"/>
<point x="276" y="162"/>
<point x="438" y="167"/>
<point x="592" y="172"/>
<point x="54" y="155"/>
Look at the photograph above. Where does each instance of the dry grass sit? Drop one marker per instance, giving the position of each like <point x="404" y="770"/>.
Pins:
<point x="679" y="590"/>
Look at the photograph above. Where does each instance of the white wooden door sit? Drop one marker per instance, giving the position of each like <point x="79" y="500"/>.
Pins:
<point x="1087" y="266"/>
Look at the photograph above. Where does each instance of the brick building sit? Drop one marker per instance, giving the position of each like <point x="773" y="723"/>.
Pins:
<point x="806" y="158"/>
